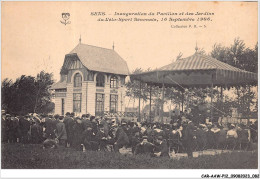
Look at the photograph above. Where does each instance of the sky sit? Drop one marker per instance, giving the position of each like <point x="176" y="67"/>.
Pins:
<point x="34" y="39"/>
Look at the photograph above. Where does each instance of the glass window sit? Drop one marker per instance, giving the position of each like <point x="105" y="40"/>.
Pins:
<point x="113" y="82"/>
<point x="77" y="80"/>
<point x="113" y="103"/>
<point x="100" y="80"/>
<point x="77" y="102"/>
<point x="99" y="104"/>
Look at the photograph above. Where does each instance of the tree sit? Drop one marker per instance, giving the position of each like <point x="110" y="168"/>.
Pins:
<point x="238" y="55"/>
<point x="27" y="94"/>
<point x="6" y="93"/>
<point x="43" y="82"/>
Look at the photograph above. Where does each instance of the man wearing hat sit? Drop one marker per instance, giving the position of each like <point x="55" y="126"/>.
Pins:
<point x="221" y="142"/>
<point x="56" y="119"/>
<point x="49" y="128"/>
<point x="188" y="137"/>
<point x="121" y="139"/>
<point x="243" y="137"/>
<point x="201" y="137"/>
<point x="36" y="132"/>
<point x="61" y="133"/>
<point x="86" y="122"/>
<point x="101" y="137"/>
<point x="231" y="137"/>
<point x="145" y="147"/>
<point x="24" y="128"/>
<point x="162" y="147"/>
<point x="13" y="130"/>
<point x="69" y="122"/>
<point x="72" y="114"/>
<point x="77" y="134"/>
<point x="89" y="140"/>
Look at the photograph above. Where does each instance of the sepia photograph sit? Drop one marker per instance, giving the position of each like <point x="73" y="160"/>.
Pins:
<point x="130" y="85"/>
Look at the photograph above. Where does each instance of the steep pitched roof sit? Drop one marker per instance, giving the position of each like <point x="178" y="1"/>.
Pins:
<point x="100" y="59"/>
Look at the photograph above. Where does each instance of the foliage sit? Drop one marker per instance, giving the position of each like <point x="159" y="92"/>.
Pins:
<point x="27" y="94"/>
<point x="16" y="156"/>
<point x="6" y="93"/>
<point x="237" y="55"/>
<point x="133" y="88"/>
<point x="240" y="56"/>
<point x="247" y="99"/>
<point x="42" y="83"/>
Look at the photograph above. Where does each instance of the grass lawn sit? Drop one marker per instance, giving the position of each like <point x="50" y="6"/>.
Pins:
<point x="15" y="156"/>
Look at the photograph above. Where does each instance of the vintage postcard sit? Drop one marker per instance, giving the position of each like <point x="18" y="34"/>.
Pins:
<point x="129" y="85"/>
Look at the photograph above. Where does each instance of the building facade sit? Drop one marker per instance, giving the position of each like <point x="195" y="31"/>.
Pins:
<point x="92" y="80"/>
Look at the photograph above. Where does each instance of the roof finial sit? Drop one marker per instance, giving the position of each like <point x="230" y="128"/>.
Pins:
<point x="80" y="39"/>
<point x="196" y="48"/>
<point x="113" y="46"/>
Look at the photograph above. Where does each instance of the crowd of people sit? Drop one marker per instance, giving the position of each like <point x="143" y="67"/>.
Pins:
<point x="111" y="134"/>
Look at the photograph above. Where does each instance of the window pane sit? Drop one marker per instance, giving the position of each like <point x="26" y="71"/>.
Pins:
<point x="113" y="82"/>
<point x="77" y="102"/>
<point x="113" y="103"/>
<point x="99" y="104"/>
<point x="77" y="80"/>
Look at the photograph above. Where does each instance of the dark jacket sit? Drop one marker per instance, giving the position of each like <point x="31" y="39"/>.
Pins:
<point x="69" y="123"/>
<point x="50" y="127"/>
<point x="61" y="131"/>
<point x="86" y="123"/>
<point x="189" y="132"/>
<point x="222" y="136"/>
<point x="24" y="126"/>
<point x="77" y="134"/>
<point x="163" y="148"/>
<point x="121" y="137"/>
<point x="243" y="135"/>
<point x="144" y="148"/>
<point x="36" y="133"/>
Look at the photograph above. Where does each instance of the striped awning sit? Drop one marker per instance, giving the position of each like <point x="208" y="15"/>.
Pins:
<point x="197" y="70"/>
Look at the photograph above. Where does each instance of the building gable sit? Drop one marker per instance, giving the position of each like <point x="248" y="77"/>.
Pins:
<point x="72" y="64"/>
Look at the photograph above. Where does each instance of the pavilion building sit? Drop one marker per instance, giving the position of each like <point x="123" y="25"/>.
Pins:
<point x="92" y="80"/>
